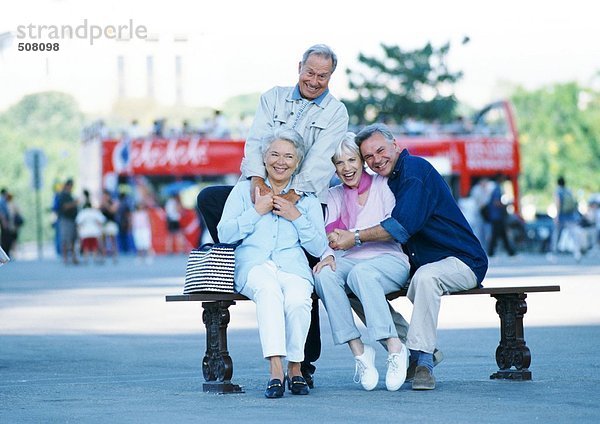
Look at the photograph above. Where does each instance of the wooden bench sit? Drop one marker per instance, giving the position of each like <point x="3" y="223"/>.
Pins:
<point x="512" y="354"/>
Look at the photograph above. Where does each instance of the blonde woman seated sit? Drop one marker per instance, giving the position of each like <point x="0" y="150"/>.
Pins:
<point x="369" y="270"/>
<point x="271" y="267"/>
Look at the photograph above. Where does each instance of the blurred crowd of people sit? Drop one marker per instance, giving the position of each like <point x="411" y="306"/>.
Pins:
<point x="488" y="215"/>
<point x="571" y="228"/>
<point x="216" y="127"/>
<point x="88" y="231"/>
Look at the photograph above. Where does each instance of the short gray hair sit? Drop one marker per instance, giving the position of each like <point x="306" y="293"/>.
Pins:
<point x="287" y="134"/>
<point x="369" y="131"/>
<point x="346" y="146"/>
<point x="321" y="50"/>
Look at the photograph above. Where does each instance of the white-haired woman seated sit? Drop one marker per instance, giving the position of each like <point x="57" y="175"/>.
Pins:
<point x="271" y="267"/>
<point x="369" y="270"/>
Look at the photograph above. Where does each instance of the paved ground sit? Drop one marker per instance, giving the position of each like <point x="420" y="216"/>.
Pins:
<point x="99" y="344"/>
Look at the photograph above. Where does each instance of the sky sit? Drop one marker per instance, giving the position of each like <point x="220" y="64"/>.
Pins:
<point x="233" y="47"/>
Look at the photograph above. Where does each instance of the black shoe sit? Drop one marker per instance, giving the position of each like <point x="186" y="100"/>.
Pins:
<point x="308" y="378"/>
<point x="298" y="385"/>
<point x="307" y="369"/>
<point x="274" y="389"/>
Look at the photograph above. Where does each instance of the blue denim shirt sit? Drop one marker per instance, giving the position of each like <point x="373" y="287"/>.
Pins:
<point x="427" y="220"/>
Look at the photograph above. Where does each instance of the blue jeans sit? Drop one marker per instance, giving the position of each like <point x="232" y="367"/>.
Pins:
<point x="370" y="280"/>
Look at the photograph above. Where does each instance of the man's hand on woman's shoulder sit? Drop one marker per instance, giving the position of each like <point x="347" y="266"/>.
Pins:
<point x="258" y="182"/>
<point x="263" y="203"/>
<point x="285" y="208"/>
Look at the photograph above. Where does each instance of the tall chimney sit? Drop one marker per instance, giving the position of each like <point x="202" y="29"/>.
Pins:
<point x="150" y="76"/>
<point x="120" y="77"/>
<point x="178" y="81"/>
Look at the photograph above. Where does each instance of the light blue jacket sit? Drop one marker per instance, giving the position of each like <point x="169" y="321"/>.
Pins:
<point x="270" y="237"/>
<point x="322" y="123"/>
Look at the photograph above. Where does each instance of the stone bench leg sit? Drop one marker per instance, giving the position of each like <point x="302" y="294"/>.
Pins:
<point x="512" y="350"/>
<point x="217" y="365"/>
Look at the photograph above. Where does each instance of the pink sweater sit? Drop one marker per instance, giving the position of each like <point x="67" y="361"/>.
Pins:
<point x="378" y="207"/>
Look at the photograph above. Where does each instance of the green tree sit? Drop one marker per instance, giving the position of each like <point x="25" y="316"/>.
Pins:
<point x="242" y="105"/>
<point x="49" y="121"/>
<point x="559" y="135"/>
<point x="405" y="83"/>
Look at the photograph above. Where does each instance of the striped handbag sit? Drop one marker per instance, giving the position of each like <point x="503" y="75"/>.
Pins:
<point x="210" y="268"/>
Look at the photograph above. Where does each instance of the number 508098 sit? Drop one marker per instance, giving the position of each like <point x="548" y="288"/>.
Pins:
<point x="39" y="47"/>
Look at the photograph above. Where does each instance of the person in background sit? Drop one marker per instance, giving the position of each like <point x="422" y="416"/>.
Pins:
<point x="497" y="216"/>
<point x="142" y="232"/>
<point x="567" y="220"/>
<point x="370" y="270"/>
<point x="186" y="128"/>
<point x="109" y="208"/>
<point x="595" y="211"/>
<point x="134" y="131"/>
<point x="220" y="127"/>
<point x="90" y="222"/>
<point x="271" y="267"/>
<point x="175" y="238"/>
<point x="57" y="188"/>
<point x="4" y="226"/>
<point x="14" y="222"/>
<point x="67" y="212"/>
<point x="159" y="127"/>
<point x="123" y="219"/>
<point x="322" y="120"/>
<point x="481" y="193"/>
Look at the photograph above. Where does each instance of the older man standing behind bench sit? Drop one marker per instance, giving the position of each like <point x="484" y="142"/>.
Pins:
<point x="444" y="253"/>
<point x="322" y="120"/>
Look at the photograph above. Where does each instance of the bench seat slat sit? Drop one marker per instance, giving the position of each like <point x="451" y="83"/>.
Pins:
<point x="509" y="290"/>
<point x="214" y="297"/>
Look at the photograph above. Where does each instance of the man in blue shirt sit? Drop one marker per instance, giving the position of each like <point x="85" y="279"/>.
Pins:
<point x="444" y="253"/>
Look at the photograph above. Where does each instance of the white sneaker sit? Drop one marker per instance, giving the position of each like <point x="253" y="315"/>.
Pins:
<point x="365" y="369"/>
<point x="396" y="372"/>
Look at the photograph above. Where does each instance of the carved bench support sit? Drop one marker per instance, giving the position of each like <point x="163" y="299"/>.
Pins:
<point x="512" y="350"/>
<point x="217" y="365"/>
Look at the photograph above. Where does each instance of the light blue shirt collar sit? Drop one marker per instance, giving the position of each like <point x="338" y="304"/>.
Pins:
<point x="296" y="95"/>
<point x="285" y="190"/>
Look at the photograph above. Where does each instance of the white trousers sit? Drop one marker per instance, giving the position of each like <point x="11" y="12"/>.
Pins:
<point x="425" y="291"/>
<point x="283" y="306"/>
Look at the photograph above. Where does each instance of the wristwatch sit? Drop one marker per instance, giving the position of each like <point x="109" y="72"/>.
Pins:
<point x="357" y="241"/>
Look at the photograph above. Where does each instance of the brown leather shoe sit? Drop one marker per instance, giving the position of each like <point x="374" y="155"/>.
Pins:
<point x="438" y="357"/>
<point x="424" y="379"/>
